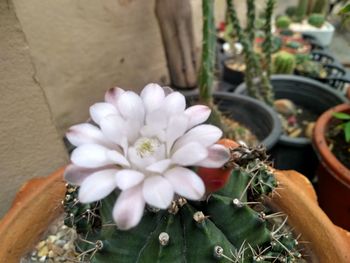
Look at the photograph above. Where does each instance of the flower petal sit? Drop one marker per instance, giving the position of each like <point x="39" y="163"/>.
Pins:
<point x="186" y="183"/>
<point x="100" y="110"/>
<point x="129" y="208"/>
<point x="176" y="128"/>
<point x="138" y="161"/>
<point x="97" y="186"/>
<point x="204" y="134"/>
<point x="92" y="156"/>
<point x="189" y="154"/>
<point x="114" y="128"/>
<point x="76" y="175"/>
<point x="152" y="96"/>
<point x="131" y="107"/>
<point x="126" y="178"/>
<point x="218" y="155"/>
<point x="174" y="103"/>
<point x="157" y="119"/>
<point x="159" y="167"/>
<point x="117" y="158"/>
<point x="198" y="114"/>
<point x="85" y="133"/>
<point x="112" y="95"/>
<point x="158" y="192"/>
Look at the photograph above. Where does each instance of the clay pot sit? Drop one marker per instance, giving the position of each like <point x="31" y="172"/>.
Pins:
<point x="39" y="202"/>
<point x="333" y="176"/>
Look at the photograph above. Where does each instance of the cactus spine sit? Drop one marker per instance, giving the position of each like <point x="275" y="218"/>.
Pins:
<point x="232" y="225"/>
<point x="284" y="63"/>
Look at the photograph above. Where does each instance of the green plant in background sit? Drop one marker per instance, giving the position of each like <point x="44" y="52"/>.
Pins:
<point x="310" y="68"/>
<point x="283" y="22"/>
<point x="257" y="73"/>
<point x="283" y="63"/>
<point x="301" y="10"/>
<point x="344" y="125"/>
<point x="316" y="20"/>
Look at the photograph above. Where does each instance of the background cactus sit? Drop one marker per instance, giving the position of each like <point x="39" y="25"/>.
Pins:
<point x="283" y="22"/>
<point x="316" y="20"/>
<point x="301" y="10"/>
<point x="320" y="6"/>
<point x="231" y="225"/>
<point x="283" y="63"/>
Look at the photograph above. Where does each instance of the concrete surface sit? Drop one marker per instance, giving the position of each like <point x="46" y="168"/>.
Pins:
<point x="29" y="144"/>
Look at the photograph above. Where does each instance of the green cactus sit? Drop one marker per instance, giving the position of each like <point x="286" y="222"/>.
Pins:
<point x="284" y="63"/>
<point x="301" y="10"/>
<point x="316" y="20"/>
<point x="320" y="6"/>
<point x="291" y="11"/>
<point x="231" y="225"/>
<point x="283" y="22"/>
<point x="294" y="44"/>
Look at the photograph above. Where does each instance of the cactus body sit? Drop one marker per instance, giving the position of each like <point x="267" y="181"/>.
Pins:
<point x="283" y="22"/>
<point x="316" y="20"/>
<point x="283" y="63"/>
<point x="301" y="10"/>
<point x="320" y="6"/>
<point x="291" y="11"/>
<point x="230" y="225"/>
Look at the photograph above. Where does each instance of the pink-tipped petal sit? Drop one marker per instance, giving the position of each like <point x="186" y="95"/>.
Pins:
<point x="152" y="96"/>
<point x="159" y="167"/>
<point x="197" y="114"/>
<point x="75" y="175"/>
<point x="158" y="192"/>
<point x="174" y="103"/>
<point x="218" y="155"/>
<point x="186" y="183"/>
<point x="100" y="110"/>
<point x="189" y="154"/>
<point x="85" y="133"/>
<point x="204" y="134"/>
<point x="91" y="156"/>
<point x="126" y="178"/>
<point x="112" y="95"/>
<point x="97" y="186"/>
<point x="129" y="208"/>
<point x="131" y="107"/>
<point x="177" y="126"/>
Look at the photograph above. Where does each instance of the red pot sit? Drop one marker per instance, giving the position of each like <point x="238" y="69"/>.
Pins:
<point x="333" y="176"/>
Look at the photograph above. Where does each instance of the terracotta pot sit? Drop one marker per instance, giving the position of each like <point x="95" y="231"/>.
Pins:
<point x="333" y="176"/>
<point x="39" y="202"/>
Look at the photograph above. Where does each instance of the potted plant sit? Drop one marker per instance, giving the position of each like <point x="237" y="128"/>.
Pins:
<point x="331" y="141"/>
<point x="309" y="17"/>
<point x="290" y="152"/>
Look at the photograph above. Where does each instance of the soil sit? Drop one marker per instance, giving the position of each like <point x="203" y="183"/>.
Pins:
<point x="236" y="64"/>
<point x="337" y="144"/>
<point x="298" y="122"/>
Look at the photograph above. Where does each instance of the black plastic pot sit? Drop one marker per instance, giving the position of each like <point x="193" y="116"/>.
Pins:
<point x="297" y="153"/>
<point x="234" y="77"/>
<point x="253" y="114"/>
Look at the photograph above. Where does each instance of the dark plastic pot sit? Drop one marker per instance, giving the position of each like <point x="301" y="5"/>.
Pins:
<point x="333" y="188"/>
<point x="297" y="153"/>
<point x="234" y="77"/>
<point x="253" y="114"/>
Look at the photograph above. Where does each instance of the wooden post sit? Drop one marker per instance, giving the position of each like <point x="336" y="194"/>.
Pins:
<point x="175" y="22"/>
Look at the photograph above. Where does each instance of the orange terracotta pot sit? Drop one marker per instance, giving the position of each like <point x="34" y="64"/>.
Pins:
<point x="39" y="202"/>
<point x="333" y="176"/>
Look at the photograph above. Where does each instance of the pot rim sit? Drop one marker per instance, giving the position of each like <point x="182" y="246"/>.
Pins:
<point x="276" y="130"/>
<point x="333" y="165"/>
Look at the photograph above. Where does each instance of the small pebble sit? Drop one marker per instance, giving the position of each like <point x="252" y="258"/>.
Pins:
<point x="285" y="107"/>
<point x="309" y="130"/>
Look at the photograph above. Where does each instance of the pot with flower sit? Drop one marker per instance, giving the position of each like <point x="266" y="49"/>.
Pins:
<point x="331" y="141"/>
<point x="169" y="191"/>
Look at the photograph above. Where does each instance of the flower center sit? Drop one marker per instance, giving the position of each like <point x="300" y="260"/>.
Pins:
<point x="146" y="147"/>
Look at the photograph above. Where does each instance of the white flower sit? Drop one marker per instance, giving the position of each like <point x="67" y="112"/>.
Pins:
<point x="141" y="145"/>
